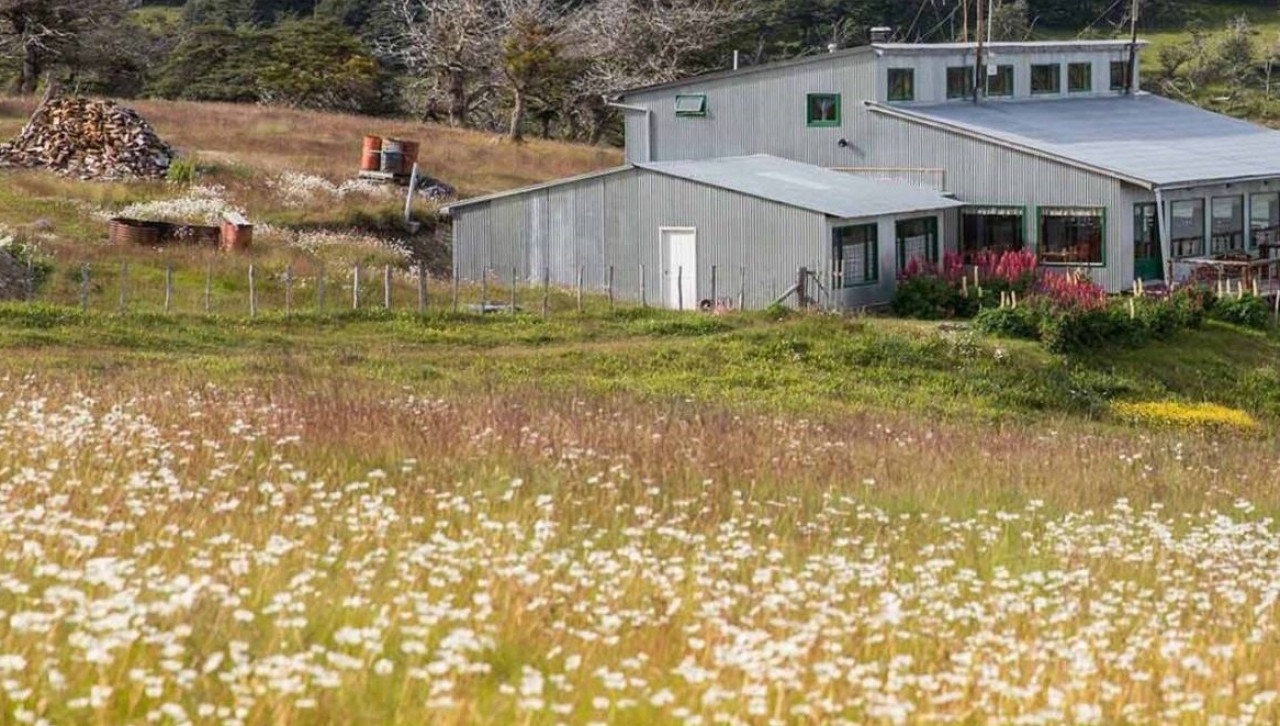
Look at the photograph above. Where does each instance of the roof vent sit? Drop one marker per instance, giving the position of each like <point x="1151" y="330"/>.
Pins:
<point x="881" y="34"/>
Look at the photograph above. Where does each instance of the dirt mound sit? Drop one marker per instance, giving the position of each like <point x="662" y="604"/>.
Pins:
<point x="89" y="139"/>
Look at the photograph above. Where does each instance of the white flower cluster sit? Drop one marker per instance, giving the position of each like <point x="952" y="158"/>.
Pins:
<point x="155" y="575"/>
<point x="297" y="189"/>
<point x="198" y="204"/>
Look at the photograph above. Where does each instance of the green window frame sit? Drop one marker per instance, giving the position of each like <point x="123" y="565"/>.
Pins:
<point x="1001" y="84"/>
<point x="1072" y="236"/>
<point x="959" y="82"/>
<point x="855" y="255"/>
<point x="822" y="109"/>
<point x="1079" y="78"/>
<point x="902" y="84"/>
<point x="1119" y="75"/>
<point x="917" y="238"/>
<point x="1046" y="79"/>
<point x="691" y="104"/>
<point x="1186" y="228"/>
<point x="1264" y="219"/>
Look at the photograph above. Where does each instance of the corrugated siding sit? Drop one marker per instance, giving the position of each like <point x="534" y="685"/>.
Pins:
<point x="984" y="173"/>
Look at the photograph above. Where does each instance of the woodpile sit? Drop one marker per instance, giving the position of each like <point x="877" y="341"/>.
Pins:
<point x="89" y="139"/>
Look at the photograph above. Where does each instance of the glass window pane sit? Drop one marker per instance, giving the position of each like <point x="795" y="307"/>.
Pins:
<point x="959" y="82"/>
<point x="917" y="240"/>
<point x="823" y="109"/>
<point x="1071" y="236"/>
<point x="990" y="230"/>
<point x="902" y="84"/>
<point x="694" y="105"/>
<point x="1226" y="222"/>
<point x="1264" y="219"/>
<point x="1046" y="78"/>
<point x="1119" y="75"/>
<point x="1080" y="77"/>
<point x="856" y="255"/>
<point x="1001" y="84"/>
<point x="1186" y="228"/>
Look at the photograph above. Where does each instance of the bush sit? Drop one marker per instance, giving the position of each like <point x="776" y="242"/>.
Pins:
<point x="1249" y="311"/>
<point x="929" y="297"/>
<point x="1191" y="305"/>
<point x="1020" y="322"/>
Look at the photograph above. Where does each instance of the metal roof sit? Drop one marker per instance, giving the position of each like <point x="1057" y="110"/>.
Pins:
<point x="448" y="209"/>
<point x="1144" y="138"/>
<point x="805" y="186"/>
<point x="1010" y="46"/>
<point x="816" y="57"/>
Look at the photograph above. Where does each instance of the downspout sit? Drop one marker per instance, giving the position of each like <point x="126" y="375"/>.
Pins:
<point x="648" y="126"/>
<point x="1166" y="244"/>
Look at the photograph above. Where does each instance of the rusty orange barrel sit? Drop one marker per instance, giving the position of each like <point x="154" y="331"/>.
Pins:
<point x="371" y="157"/>
<point x="410" y="151"/>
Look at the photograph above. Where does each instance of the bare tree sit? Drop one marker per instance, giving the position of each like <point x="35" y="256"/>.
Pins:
<point x="531" y="45"/>
<point x="40" y="31"/>
<point x="451" y="46"/>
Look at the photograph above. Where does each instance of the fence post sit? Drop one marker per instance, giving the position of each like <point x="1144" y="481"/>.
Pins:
<point x="31" y="277"/>
<point x="84" y="288"/>
<point x="742" y="287"/>
<point x="484" y="290"/>
<point x="288" y="290"/>
<point x="714" y="300"/>
<point x="320" y="281"/>
<point x="253" y="290"/>
<point x="455" y="291"/>
<point x="546" y="291"/>
<point x="802" y="291"/>
<point x="355" y="287"/>
<point x="680" y="287"/>
<point x="386" y="287"/>
<point x="208" y="287"/>
<point x="422" y="286"/>
<point x="644" y="297"/>
<point x="513" y="290"/>
<point x="580" y="288"/>
<point x="124" y="287"/>
<point x="168" y="287"/>
<point x="610" y="288"/>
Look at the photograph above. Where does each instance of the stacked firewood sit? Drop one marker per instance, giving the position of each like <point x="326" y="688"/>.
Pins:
<point x="89" y="139"/>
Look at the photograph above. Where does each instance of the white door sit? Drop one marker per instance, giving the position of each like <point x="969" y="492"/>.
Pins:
<point x="680" y="249"/>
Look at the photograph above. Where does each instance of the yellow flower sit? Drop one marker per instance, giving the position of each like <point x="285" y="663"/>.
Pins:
<point x="1196" y="416"/>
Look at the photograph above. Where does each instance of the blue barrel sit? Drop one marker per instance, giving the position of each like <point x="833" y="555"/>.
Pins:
<point x="392" y="156"/>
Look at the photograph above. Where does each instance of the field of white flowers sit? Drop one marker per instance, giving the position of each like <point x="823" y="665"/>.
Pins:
<point x="240" y="556"/>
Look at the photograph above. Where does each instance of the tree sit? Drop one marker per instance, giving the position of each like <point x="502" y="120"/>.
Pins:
<point x="212" y="63"/>
<point x="318" y="64"/>
<point x="40" y="32"/>
<point x="1011" y="21"/>
<point x="451" y="47"/>
<point x="530" y="53"/>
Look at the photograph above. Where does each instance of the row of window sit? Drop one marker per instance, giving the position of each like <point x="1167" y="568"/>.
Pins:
<point x="1226" y="230"/>
<point x="856" y="249"/>
<point x="1046" y="79"/>
<point x="821" y="109"/>
<point x="1068" y="235"/>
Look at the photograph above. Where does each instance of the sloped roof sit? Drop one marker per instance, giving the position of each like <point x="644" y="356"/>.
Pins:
<point x="1143" y="138"/>
<point x="786" y="182"/>
<point x="805" y="186"/>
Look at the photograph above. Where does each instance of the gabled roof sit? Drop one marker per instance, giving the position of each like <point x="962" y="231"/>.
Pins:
<point x="805" y="186"/>
<point x="746" y="70"/>
<point x="1142" y="139"/>
<point x="790" y="183"/>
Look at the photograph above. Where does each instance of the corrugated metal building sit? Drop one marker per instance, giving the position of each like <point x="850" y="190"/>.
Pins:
<point x="681" y="234"/>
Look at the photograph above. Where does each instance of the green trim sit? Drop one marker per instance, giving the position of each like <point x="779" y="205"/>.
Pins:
<point x="1089" y="77"/>
<point x="1039" y="246"/>
<point x="871" y="257"/>
<point x="1026" y="214"/>
<point x="900" y="254"/>
<point x="968" y="82"/>
<point x="808" y="110"/>
<point x="702" y="106"/>
<point x="1013" y="82"/>
<point x="911" y="86"/>
<point x="1057" y="89"/>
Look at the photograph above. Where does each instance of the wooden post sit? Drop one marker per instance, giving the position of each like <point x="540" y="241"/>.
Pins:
<point x="84" y="288"/>
<point x="610" y="285"/>
<point x="484" y="290"/>
<point x="321" y="277"/>
<point x="514" y="272"/>
<point x="680" y="287"/>
<point x="386" y="287"/>
<point x="1133" y="309"/>
<point x="422" y="286"/>
<point x="713" y="288"/>
<point x="253" y="290"/>
<point x="208" y="287"/>
<point x="742" y="287"/>
<point x="455" y="290"/>
<point x="546" y="291"/>
<point x="124" y="287"/>
<point x="579" y="288"/>
<point x="288" y="290"/>
<point x="355" y="287"/>
<point x="168" y="287"/>
<point x="644" y="297"/>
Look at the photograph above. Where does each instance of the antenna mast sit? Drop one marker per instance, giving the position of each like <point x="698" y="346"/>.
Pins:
<point x="1132" y="81"/>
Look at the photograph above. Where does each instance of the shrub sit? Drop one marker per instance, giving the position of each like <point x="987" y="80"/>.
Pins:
<point x="1249" y="311"/>
<point x="1009" y="322"/>
<point x="1191" y="305"/>
<point x="1197" y="416"/>
<point x="182" y="171"/>
<point x="931" y="297"/>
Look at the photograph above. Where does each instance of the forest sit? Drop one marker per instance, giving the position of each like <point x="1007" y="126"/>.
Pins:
<point x="541" y="67"/>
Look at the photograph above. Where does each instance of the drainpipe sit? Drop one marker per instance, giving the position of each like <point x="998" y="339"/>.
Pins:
<point x="1166" y="244"/>
<point x="648" y="125"/>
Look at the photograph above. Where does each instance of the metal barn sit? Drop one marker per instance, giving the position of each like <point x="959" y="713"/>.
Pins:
<point x="684" y="234"/>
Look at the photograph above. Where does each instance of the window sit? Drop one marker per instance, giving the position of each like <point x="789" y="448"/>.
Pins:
<point x="1119" y="76"/>
<point x="1000" y="83"/>
<point x="1146" y="232"/>
<point x="1226" y="224"/>
<point x="959" y="82"/>
<point x="917" y="240"/>
<point x="1071" y="236"/>
<point x="823" y="109"/>
<point x="1186" y="228"/>
<point x="1046" y="78"/>
<point x="902" y="84"/>
<point x="1080" y="78"/>
<point x="856" y="255"/>
<point x="691" y="105"/>
<point x="1264" y="219"/>
<point x="990" y="231"/>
